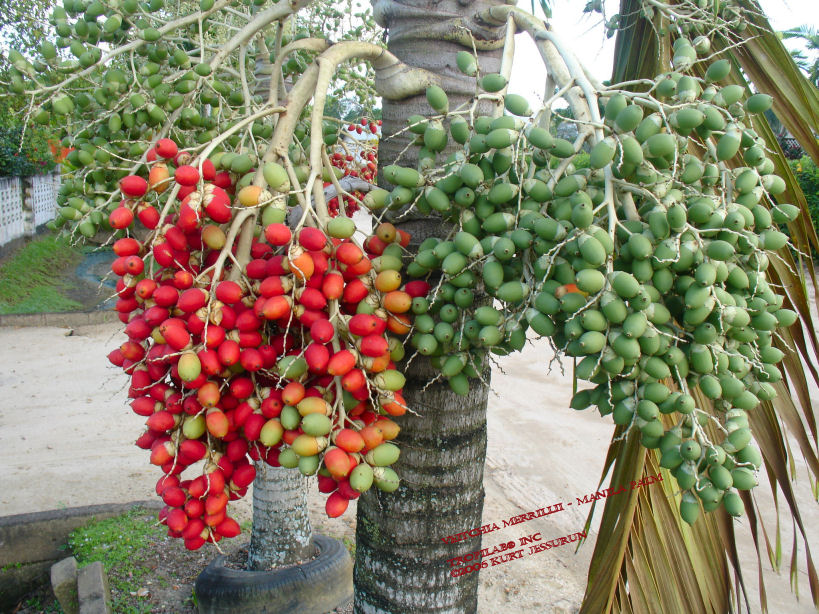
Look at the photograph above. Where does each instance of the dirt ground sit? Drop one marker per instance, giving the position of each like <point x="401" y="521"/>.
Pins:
<point x="66" y="439"/>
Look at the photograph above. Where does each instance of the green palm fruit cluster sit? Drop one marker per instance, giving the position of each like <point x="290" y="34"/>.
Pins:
<point x="647" y="267"/>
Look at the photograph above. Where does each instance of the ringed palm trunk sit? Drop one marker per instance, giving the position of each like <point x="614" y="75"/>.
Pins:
<point x="401" y="560"/>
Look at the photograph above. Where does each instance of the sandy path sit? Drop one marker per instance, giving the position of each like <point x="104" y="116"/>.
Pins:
<point x="66" y="439"/>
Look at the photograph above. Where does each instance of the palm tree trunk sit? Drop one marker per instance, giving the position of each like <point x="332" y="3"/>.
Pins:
<point x="281" y="527"/>
<point x="401" y="559"/>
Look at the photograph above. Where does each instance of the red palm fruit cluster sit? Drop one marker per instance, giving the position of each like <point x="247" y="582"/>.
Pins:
<point x="288" y="359"/>
<point x="168" y="167"/>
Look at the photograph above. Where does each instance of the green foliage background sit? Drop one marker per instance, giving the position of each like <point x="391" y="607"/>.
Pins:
<point x="807" y="174"/>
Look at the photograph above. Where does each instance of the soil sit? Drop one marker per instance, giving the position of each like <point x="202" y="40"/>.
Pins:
<point x="66" y="439"/>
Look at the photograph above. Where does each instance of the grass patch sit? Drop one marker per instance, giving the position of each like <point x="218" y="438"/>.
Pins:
<point x="31" y="280"/>
<point x="122" y="544"/>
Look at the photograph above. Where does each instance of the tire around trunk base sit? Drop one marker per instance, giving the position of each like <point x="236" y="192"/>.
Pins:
<point x="317" y="587"/>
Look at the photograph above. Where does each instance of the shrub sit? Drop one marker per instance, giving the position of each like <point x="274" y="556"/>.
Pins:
<point x="33" y="158"/>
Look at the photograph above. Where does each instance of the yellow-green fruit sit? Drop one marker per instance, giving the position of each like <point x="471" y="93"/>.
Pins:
<point x="189" y="366"/>
<point x="383" y="455"/>
<point x="288" y="458"/>
<point x="590" y="281"/>
<point x="385" y="479"/>
<point x="361" y="478"/>
<point x="743" y="479"/>
<point x="271" y="433"/>
<point x="615" y="105"/>
<point x="194" y="426"/>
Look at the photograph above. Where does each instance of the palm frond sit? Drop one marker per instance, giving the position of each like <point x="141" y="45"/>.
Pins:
<point x="646" y="559"/>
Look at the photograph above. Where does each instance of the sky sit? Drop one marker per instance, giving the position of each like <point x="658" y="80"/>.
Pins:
<point x="596" y="51"/>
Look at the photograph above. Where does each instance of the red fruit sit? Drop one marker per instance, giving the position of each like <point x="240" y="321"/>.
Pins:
<point x="176" y="520"/>
<point x="358" y="269"/>
<point x="143" y="406"/>
<point x="174" y="496"/>
<point x="293" y="393"/>
<point x="363" y="324"/>
<point x="120" y="218"/>
<point x="161" y="421"/>
<point x="276" y="307"/>
<point x="255" y="268"/>
<point x="326" y="484"/>
<point x="163" y="254"/>
<point x="166" y="481"/>
<point x="218" y="210"/>
<point x="347" y="491"/>
<point x="215" y="503"/>
<point x="208" y="170"/>
<point x="309" y="297"/>
<point x="317" y="357"/>
<point x="194" y="529"/>
<point x="182" y="280"/>
<point x="137" y="329"/>
<point x="161" y="452"/>
<point x="272" y="406"/>
<point x="134" y="265"/>
<point x="228" y="352"/>
<point x="236" y="449"/>
<point x="355" y="291"/>
<point x="176" y="336"/>
<point x="146" y="440"/>
<point x="308" y="316"/>
<point x="186" y="175"/>
<point x="212" y="520"/>
<point x="374" y="346"/>
<point x="126" y="247"/>
<point x="145" y="288"/>
<point x="341" y="363"/>
<point x="349" y="254"/>
<point x="134" y="186"/>
<point x="192" y="299"/>
<point x="312" y="239"/>
<point x="253" y="426"/>
<point x="166" y="148"/>
<point x="191" y="406"/>
<point x="353" y="380"/>
<point x="228" y="528"/>
<point x="269" y="355"/>
<point x="416" y="288"/>
<point x="116" y="358"/>
<point x="242" y="476"/>
<point x="336" y="505"/>
<point x="222" y="180"/>
<point x="209" y="360"/>
<point x="250" y="339"/>
<point x="349" y="440"/>
<point x="322" y="331"/>
<point x="208" y="395"/>
<point x="229" y="292"/>
<point x="194" y="508"/>
<point x="332" y="285"/>
<point x="374" y="245"/>
<point x="192" y="450"/>
<point x="216" y="421"/>
<point x="251" y="359"/>
<point x="277" y="234"/>
<point x="337" y="462"/>
<point x="214" y="337"/>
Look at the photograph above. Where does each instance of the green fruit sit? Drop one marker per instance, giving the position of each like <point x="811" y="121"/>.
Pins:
<point x="539" y="137"/>
<point x="728" y="146"/>
<point x="361" y="477"/>
<point x="661" y="145"/>
<point x="689" y="508"/>
<point x="493" y="82"/>
<point x="743" y="479"/>
<point x="629" y="118"/>
<point x="625" y="285"/>
<point x="517" y="105"/>
<point x="590" y="281"/>
<point x="467" y="63"/>
<point x="602" y="154"/>
<point x="459" y="129"/>
<point x="437" y="99"/>
<point x="718" y="70"/>
<point x="758" y="103"/>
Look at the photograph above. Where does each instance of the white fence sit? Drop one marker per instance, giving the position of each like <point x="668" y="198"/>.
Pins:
<point x="26" y="203"/>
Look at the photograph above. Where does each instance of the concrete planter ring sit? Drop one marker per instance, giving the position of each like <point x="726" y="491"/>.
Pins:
<point x="316" y="587"/>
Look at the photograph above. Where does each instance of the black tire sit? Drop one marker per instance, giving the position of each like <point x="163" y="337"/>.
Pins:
<point x="317" y="587"/>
